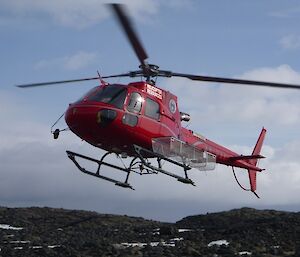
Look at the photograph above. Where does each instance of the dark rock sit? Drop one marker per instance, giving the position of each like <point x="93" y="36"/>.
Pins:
<point x="59" y="232"/>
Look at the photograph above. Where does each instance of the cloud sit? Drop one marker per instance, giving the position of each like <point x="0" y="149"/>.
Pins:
<point x="68" y="13"/>
<point x="290" y="42"/>
<point x="279" y="106"/>
<point x="240" y="103"/>
<point x="78" y="13"/>
<point x="79" y="60"/>
<point x="214" y="106"/>
<point x="36" y="171"/>
<point x="74" y="62"/>
<point x="281" y="181"/>
<point x="286" y="13"/>
<point x="281" y="74"/>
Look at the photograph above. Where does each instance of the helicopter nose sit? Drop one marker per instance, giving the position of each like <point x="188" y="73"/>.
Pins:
<point x="83" y="118"/>
<point x="71" y="116"/>
<point x="90" y="123"/>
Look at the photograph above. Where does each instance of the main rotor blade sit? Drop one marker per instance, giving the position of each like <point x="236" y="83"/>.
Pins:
<point x="69" y="81"/>
<point x="234" y="81"/>
<point x="127" y="26"/>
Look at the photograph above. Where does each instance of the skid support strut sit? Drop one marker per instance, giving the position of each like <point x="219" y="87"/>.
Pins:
<point x="139" y="150"/>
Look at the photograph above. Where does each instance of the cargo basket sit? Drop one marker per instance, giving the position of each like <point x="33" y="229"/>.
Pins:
<point x="182" y="152"/>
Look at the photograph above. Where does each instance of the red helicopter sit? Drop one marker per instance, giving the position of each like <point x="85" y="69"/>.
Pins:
<point x="143" y="122"/>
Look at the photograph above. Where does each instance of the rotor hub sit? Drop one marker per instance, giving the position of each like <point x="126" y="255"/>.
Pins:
<point x="149" y="70"/>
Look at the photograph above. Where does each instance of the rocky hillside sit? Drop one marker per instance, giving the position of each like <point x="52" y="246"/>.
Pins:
<point x="59" y="232"/>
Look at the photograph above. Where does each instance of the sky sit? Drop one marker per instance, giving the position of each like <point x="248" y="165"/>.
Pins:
<point x="57" y="40"/>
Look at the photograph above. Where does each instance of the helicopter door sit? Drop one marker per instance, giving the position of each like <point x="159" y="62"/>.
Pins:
<point x="134" y="108"/>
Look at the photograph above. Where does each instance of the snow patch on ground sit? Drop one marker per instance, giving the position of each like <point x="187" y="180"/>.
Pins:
<point x="169" y="243"/>
<point x="35" y="247"/>
<point x="19" y="242"/>
<point x="218" y="243"/>
<point x="5" y="226"/>
<point x="53" y="246"/>
<point x="245" y="253"/>
<point x="182" y="230"/>
<point x="156" y="231"/>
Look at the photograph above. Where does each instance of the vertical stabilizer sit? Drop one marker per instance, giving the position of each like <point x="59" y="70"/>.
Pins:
<point x="256" y="151"/>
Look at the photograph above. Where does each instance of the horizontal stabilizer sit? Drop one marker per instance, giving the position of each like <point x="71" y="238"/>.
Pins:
<point x="246" y="157"/>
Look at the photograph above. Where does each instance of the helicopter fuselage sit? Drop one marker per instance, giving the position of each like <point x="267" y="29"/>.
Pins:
<point x="117" y="117"/>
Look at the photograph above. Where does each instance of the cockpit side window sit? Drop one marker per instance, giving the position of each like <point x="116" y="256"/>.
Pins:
<point x="114" y="95"/>
<point x="135" y="103"/>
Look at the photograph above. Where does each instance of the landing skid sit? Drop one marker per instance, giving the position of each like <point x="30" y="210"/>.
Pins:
<point x="139" y="165"/>
<point x="100" y="162"/>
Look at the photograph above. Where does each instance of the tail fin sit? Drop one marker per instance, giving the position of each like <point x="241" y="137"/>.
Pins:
<point x="256" y="151"/>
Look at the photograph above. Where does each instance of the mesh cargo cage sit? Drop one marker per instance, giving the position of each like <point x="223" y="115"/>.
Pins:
<point x="187" y="154"/>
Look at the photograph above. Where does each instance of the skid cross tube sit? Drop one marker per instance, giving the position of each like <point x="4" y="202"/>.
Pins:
<point x="125" y="184"/>
<point x="160" y="157"/>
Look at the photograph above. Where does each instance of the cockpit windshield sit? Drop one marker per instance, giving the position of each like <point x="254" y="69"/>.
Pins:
<point x="112" y="94"/>
<point x="90" y="92"/>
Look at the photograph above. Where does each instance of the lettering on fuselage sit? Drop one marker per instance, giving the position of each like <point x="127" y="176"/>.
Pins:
<point x="152" y="90"/>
